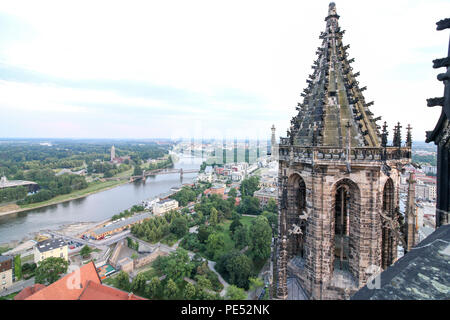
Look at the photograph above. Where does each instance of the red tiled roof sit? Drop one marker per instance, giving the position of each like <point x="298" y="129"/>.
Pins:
<point x="95" y="291"/>
<point x="83" y="284"/>
<point x="28" y="291"/>
<point x="69" y="287"/>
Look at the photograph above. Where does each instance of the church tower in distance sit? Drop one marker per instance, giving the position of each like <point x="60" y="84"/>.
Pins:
<point x="338" y="182"/>
<point x="113" y="153"/>
<point x="274" y="144"/>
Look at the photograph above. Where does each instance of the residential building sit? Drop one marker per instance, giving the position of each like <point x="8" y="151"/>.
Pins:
<point x="216" y="189"/>
<point x="429" y="169"/>
<point x="56" y="248"/>
<point x="205" y="177"/>
<point x="149" y="203"/>
<point x="118" y="226"/>
<point x="6" y="272"/>
<point x="82" y="284"/>
<point x="265" y="194"/>
<point x="164" y="206"/>
<point x="237" y="176"/>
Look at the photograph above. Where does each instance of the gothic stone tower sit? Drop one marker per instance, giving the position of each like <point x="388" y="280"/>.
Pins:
<point x="440" y="135"/>
<point x="113" y="153"/>
<point x="339" y="182"/>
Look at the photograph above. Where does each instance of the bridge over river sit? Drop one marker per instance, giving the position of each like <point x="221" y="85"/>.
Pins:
<point x="163" y="171"/>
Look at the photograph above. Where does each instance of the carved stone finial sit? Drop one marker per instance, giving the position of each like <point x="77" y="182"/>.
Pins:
<point x="408" y="136"/>
<point x="384" y="135"/>
<point x="332" y="9"/>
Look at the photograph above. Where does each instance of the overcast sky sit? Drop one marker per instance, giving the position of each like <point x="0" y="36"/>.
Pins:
<point x="94" y="69"/>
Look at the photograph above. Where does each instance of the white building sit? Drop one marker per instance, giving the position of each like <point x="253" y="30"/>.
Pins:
<point x="205" y="177"/>
<point x="164" y="206"/>
<point x="429" y="169"/>
<point x="236" y="176"/>
<point x="56" y="248"/>
<point x="150" y="203"/>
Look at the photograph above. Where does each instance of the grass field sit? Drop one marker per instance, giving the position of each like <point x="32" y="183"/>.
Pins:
<point x="229" y="243"/>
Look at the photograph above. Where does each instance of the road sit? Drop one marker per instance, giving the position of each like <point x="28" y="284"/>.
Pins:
<point x="94" y="243"/>
<point x="17" y="286"/>
<point x="211" y="265"/>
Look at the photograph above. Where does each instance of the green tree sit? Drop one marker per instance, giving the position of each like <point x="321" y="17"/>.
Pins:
<point x="249" y="205"/>
<point x="50" y="269"/>
<point x="235" y="224"/>
<point x="179" y="226"/>
<point x="215" y="245"/>
<point x="138" y="283"/>
<point x="204" y="232"/>
<point x="249" y="186"/>
<point x="213" y="217"/>
<point x="203" y="282"/>
<point x="122" y="281"/>
<point x="255" y="283"/>
<point x="271" y="206"/>
<point x="189" y="291"/>
<point x="241" y="237"/>
<point x="153" y="287"/>
<point x="85" y="251"/>
<point x="171" y="289"/>
<point x="178" y="265"/>
<point x="232" y="193"/>
<point x="273" y="220"/>
<point x="18" y="267"/>
<point x="236" y="268"/>
<point x="260" y="238"/>
<point x="137" y="170"/>
<point x="235" y="293"/>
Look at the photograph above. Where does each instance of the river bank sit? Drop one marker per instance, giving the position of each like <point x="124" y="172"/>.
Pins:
<point x="91" y="189"/>
<point x="72" y="230"/>
<point x="63" y="198"/>
<point x="79" y="211"/>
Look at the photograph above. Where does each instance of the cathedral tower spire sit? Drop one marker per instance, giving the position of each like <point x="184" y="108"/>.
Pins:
<point x="338" y="181"/>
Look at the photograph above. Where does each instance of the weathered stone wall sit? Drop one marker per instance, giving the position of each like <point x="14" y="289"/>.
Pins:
<point x="138" y="263"/>
<point x="365" y="185"/>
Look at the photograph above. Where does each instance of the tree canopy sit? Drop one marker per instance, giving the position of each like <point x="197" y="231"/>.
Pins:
<point x="49" y="270"/>
<point x="260" y="238"/>
<point x="235" y="293"/>
<point x="249" y="186"/>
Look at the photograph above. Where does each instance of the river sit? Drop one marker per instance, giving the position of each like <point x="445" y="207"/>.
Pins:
<point x="95" y="207"/>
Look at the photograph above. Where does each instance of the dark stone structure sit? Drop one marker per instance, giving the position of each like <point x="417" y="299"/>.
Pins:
<point x="421" y="274"/>
<point x="441" y="136"/>
<point x="338" y="182"/>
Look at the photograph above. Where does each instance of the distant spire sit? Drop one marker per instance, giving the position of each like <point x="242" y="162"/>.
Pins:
<point x="408" y="136"/>
<point x="397" y="140"/>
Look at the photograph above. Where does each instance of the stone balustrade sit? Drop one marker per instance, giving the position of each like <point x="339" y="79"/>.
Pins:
<point x="310" y="154"/>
